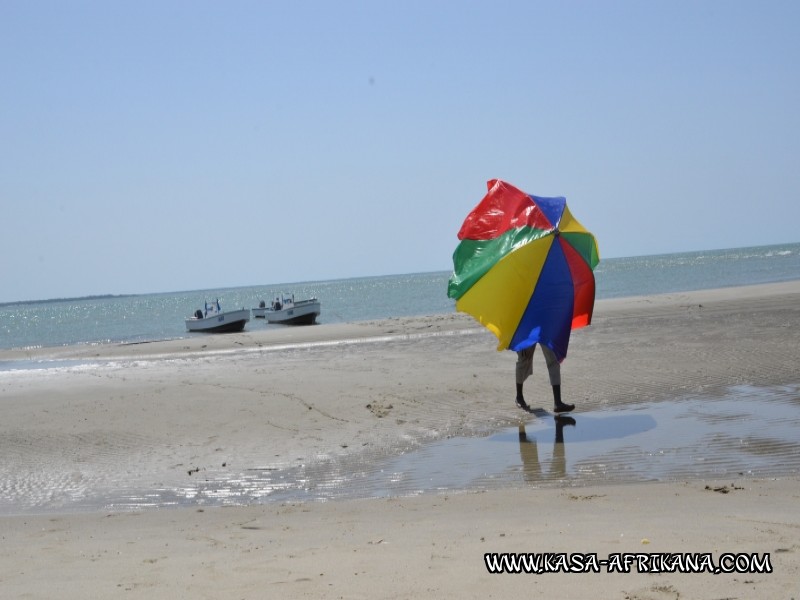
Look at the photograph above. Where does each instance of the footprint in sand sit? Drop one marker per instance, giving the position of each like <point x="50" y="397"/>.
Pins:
<point x="378" y="409"/>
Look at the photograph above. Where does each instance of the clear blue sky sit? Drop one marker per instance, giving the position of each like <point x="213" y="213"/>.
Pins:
<point x="157" y="146"/>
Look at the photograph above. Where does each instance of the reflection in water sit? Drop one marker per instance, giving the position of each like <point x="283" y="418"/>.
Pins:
<point x="529" y="453"/>
<point x="748" y="432"/>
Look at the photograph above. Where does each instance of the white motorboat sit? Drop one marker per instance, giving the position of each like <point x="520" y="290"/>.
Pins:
<point x="214" y="320"/>
<point x="285" y="310"/>
<point x="259" y="311"/>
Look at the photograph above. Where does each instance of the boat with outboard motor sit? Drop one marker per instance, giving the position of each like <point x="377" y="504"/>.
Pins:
<point x="286" y="310"/>
<point x="214" y="320"/>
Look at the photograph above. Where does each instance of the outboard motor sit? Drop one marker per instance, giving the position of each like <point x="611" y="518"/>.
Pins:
<point x="198" y="314"/>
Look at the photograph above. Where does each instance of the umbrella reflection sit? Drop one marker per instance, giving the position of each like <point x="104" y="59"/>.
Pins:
<point x="529" y="453"/>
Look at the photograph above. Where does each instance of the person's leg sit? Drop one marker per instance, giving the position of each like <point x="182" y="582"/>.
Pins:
<point x="554" y="370"/>
<point x="523" y="371"/>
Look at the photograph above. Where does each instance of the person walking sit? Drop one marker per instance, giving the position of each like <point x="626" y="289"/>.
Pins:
<point x="525" y="369"/>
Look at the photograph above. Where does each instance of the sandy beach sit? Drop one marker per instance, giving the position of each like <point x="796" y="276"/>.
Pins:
<point x="140" y="415"/>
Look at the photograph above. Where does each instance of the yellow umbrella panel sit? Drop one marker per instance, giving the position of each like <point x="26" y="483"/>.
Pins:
<point x="499" y="298"/>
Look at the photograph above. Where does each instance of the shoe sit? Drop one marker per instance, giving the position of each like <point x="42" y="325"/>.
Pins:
<point x="563" y="408"/>
<point x="523" y="405"/>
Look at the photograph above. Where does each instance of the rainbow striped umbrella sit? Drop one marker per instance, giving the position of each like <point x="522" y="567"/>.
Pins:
<point x="524" y="268"/>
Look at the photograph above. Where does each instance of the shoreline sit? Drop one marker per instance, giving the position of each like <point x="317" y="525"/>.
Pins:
<point x="415" y="547"/>
<point x="278" y="399"/>
<point x="358" y="330"/>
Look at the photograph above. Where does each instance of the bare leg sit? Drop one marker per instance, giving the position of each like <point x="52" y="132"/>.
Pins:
<point x="560" y="407"/>
<point x="521" y="399"/>
<point x="523" y="370"/>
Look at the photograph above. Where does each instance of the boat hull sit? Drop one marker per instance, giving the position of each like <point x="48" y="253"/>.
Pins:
<point x="226" y="322"/>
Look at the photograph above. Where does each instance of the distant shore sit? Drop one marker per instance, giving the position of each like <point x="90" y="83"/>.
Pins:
<point x="292" y="395"/>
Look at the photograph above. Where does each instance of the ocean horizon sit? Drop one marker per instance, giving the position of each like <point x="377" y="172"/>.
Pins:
<point x="133" y="318"/>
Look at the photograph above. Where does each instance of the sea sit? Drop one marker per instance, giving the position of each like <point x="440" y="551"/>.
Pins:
<point x="160" y="316"/>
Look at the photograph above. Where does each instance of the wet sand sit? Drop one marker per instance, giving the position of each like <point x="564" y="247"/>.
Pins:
<point x="150" y="415"/>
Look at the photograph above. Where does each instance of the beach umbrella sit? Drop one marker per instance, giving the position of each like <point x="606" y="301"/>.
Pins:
<point x="524" y="269"/>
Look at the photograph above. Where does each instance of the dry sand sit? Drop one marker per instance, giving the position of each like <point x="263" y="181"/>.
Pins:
<point x="276" y="399"/>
